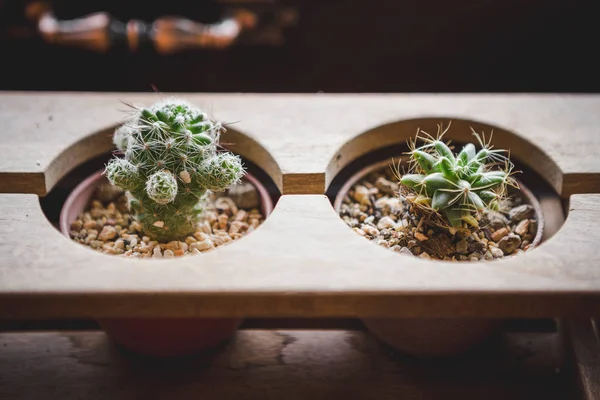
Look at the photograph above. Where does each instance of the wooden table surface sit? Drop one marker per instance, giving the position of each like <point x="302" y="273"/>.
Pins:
<point x="280" y="364"/>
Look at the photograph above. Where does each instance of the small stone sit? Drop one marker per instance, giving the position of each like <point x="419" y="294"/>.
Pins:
<point x="108" y="233"/>
<point x="168" y="254"/>
<point x="223" y="218"/>
<point x="509" y="243"/>
<point x="425" y="256"/>
<point x="406" y="251"/>
<point x="473" y="258"/>
<point x="359" y="231"/>
<point x="156" y="253"/>
<point x="385" y="223"/>
<point x="196" y="251"/>
<point x="499" y="234"/>
<point x="241" y="215"/>
<point x="237" y="227"/>
<point x="178" y="253"/>
<point x="120" y="244"/>
<point x="133" y="242"/>
<point x="76" y="225"/>
<point x="370" y="230"/>
<point x="203" y="245"/>
<point x="521" y="212"/>
<point x="159" y="224"/>
<point x="361" y="195"/>
<point x="189" y="240"/>
<point x="488" y="255"/>
<point x="96" y="244"/>
<point x="200" y="236"/>
<point x="462" y="246"/>
<point x="172" y="245"/>
<point x="497" y="219"/>
<point x="385" y="186"/>
<point x="411" y="244"/>
<point x="522" y="228"/>
<point x="420" y="237"/>
<point x="90" y="225"/>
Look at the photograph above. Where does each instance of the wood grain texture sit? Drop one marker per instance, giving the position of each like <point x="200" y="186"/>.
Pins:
<point x="310" y="136"/>
<point x="274" y="365"/>
<point x="303" y="261"/>
<point x="585" y="343"/>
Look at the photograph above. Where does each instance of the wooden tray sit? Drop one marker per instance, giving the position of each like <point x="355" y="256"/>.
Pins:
<point x="303" y="261"/>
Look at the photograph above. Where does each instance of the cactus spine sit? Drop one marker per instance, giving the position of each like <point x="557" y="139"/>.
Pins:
<point x="458" y="186"/>
<point x="171" y="163"/>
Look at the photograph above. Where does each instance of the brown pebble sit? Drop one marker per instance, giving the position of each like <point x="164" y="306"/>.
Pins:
<point x="200" y="236"/>
<point x="90" y="224"/>
<point x="499" y="234"/>
<point x="108" y="233"/>
<point x="509" y="243"/>
<point x="189" y="240"/>
<point x="522" y="228"/>
<point x="168" y="254"/>
<point x="420" y="237"/>
<point x="178" y="253"/>
<point x="77" y="225"/>
<point x="241" y="215"/>
<point x="237" y="226"/>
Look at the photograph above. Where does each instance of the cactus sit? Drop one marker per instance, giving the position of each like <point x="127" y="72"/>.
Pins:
<point x="457" y="186"/>
<point x="171" y="164"/>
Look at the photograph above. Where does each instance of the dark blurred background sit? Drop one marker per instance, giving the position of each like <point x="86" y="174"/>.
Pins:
<point x="313" y="45"/>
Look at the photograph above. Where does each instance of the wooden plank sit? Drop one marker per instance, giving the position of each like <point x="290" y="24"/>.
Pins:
<point x="273" y="364"/>
<point x="585" y="344"/>
<point x="331" y="271"/>
<point x="308" y="137"/>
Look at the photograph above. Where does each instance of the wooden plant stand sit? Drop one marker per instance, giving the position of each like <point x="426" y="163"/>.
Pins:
<point x="303" y="262"/>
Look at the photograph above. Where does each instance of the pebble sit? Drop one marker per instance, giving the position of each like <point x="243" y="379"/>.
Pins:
<point x="168" y="254"/>
<point x="370" y="230"/>
<point x="521" y="212"/>
<point x="523" y="228"/>
<point x="385" y="223"/>
<point x="499" y="234"/>
<point x="108" y="233"/>
<point x="361" y="195"/>
<point x="420" y="237"/>
<point x="496" y="252"/>
<point x="509" y="243"/>
<point x="405" y="250"/>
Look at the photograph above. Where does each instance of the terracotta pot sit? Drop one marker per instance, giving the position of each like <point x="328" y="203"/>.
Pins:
<point x="159" y="337"/>
<point x="434" y="336"/>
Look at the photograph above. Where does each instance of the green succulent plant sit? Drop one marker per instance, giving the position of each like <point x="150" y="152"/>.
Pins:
<point x="171" y="163"/>
<point x="457" y="186"/>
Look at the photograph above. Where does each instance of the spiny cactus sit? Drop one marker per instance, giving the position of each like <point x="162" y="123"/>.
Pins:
<point x="171" y="163"/>
<point x="457" y="186"/>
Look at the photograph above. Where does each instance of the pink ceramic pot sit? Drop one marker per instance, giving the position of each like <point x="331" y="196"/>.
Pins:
<point x="159" y="337"/>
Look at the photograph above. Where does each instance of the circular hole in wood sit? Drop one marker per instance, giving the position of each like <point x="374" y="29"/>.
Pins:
<point x="230" y="215"/>
<point x="385" y="218"/>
